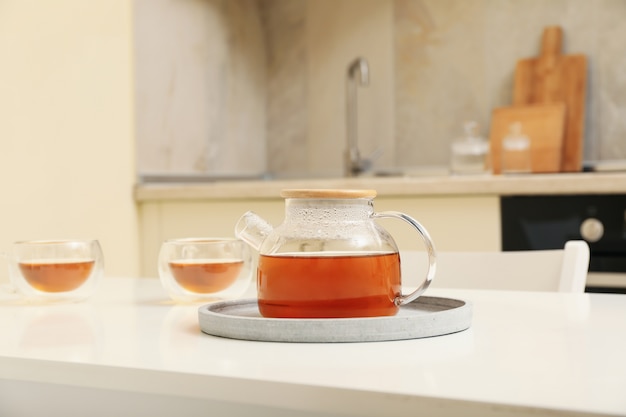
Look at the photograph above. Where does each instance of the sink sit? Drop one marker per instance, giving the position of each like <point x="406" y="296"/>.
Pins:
<point x="191" y="177"/>
<point x="176" y="177"/>
<point x="424" y="171"/>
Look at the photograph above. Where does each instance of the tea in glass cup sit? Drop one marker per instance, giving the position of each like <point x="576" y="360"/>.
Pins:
<point x="56" y="270"/>
<point x="197" y="269"/>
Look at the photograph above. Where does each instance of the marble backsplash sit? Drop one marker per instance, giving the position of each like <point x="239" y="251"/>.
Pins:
<point x="200" y="77"/>
<point x="255" y="86"/>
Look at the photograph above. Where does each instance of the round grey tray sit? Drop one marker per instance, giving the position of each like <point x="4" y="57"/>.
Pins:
<point x="424" y="317"/>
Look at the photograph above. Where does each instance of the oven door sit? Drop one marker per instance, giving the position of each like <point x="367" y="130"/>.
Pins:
<point x="547" y="222"/>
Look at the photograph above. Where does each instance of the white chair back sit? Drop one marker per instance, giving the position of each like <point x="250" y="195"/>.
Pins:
<point x="562" y="270"/>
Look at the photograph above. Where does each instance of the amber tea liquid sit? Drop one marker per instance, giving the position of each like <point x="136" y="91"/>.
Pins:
<point x="328" y="285"/>
<point x="205" y="275"/>
<point x="56" y="275"/>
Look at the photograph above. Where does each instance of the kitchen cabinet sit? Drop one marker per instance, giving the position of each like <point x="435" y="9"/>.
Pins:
<point x="461" y="213"/>
<point x="454" y="222"/>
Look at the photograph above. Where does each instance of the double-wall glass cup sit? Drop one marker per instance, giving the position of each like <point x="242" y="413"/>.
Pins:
<point x="56" y="270"/>
<point x="205" y="269"/>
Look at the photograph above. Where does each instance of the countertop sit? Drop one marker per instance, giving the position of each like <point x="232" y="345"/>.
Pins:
<point x="531" y="184"/>
<point x="131" y="351"/>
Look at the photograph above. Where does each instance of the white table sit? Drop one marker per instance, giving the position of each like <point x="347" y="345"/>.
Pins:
<point x="131" y="352"/>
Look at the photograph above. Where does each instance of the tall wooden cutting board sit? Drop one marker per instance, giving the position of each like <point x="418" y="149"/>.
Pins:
<point x="544" y="126"/>
<point x="552" y="78"/>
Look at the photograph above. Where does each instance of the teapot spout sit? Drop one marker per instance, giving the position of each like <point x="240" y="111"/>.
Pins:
<point x="252" y="229"/>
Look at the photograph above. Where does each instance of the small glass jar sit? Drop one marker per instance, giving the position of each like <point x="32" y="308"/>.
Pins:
<point x="470" y="154"/>
<point x="516" y="156"/>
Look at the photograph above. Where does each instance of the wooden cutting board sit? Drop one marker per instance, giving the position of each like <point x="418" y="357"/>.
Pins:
<point x="552" y="78"/>
<point x="543" y="124"/>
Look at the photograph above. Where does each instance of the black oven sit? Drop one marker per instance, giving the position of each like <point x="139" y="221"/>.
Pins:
<point x="547" y="222"/>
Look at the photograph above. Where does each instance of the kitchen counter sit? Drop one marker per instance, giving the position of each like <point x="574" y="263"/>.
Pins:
<point x="492" y="185"/>
<point x="461" y="213"/>
<point x="131" y="351"/>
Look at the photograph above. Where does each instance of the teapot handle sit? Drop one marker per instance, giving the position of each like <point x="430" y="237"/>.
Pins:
<point x="430" y="248"/>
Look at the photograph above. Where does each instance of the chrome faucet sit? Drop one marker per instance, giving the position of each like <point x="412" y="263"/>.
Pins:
<point x="354" y="164"/>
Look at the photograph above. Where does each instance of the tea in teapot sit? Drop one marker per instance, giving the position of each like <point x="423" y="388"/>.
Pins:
<point x="330" y="258"/>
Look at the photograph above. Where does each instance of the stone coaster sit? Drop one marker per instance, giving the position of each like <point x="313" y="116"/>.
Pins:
<point x="424" y="317"/>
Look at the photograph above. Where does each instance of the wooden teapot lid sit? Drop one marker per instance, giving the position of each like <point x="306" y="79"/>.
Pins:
<point x="327" y="193"/>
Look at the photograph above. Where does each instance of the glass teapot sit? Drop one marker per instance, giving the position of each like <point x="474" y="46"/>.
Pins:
<point x="329" y="258"/>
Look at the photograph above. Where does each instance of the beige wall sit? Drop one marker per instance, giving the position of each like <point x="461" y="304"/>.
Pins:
<point x="66" y="125"/>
